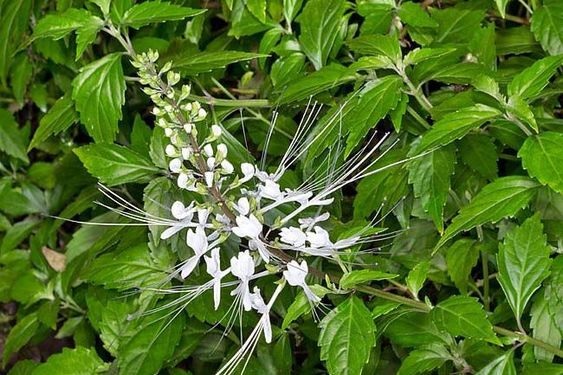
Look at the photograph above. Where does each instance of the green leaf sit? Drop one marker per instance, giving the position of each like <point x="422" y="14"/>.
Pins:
<point x="377" y="98"/>
<point x="430" y="176"/>
<point x="547" y="26"/>
<point x="323" y="80"/>
<point x="15" y="19"/>
<point x="461" y="257"/>
<point x="207" y="61"/>
<point x="413" y="14"/>
<point x="542" y="157"/>
<point x="154" y="12"/>
<point x="382" y="190"/>
<point x="57" y="26"/>
<point x="425" y="359"/>
<point x="346" y="338"/>
<point x="320" y="22"/>
<point x="11" y="139"/>
<point x="99" y="93"/>
<point x="479" y="153"/>
<point x="544" y="329"/>
<point x="152" y="344"/>
<point x="456" y="25"/>
<point x="501" y="5"/>
<point x="417" y="276"/>
<point x="464" y="316"/>
<point x="501" y="198"/>
<point x="503" y="365"/>
<point x="103" y="4"/>
<point x="523" y="263"/>
<point x="419" y="55"/>
<point x="298" y="307"/>
<point x="554" y="292"/>
<point x="78" y="361"/>
<point x="114" y="164"/>
<point x="455" y="125"/>
<point x="386" y="45"/>
<point x="126" y="269"/>
<point x="356" y="277"/>
<point x="415" y="329"/>
<point x="19" y="335"/>
<point x="59" y="118"/>
<point x="531" y="81"/>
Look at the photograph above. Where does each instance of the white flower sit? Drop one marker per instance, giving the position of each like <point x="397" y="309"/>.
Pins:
<point x="248" y="227"/>
<point x="180" y="212"/>
<point x="211" y="163"/>
<point x="171" y="151"/>
<point x="186" y="152"/>
<point x="271" y="190"/>
<point x="208" y="178"/>
<point x="247" y="171"/>
<point x="260" y="306"/>
<point x="227" y="167"/>
<point x="208" y="150"/>
<point x="214" y="269"/>
<point x="319" y="238"/>
<point x="197" y="241"/>
<point x="293" y="236"/>
<point x="295" y="276"/>
<point x="242" y="267"/>
<point x="311" y="221"/>
<point x="175" y="165"/>
<point x="216" y="131"/>
<point x="221" y="150"/>
<point x="243" y="206"/>
<point x="183" y="214"/>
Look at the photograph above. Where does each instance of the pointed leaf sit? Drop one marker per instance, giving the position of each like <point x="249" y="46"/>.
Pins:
<point x="503" y="365"/>
<point x="59" y="118"/>
<point x="377" y="98"/>
<point x="19" y="335"/>
<point x="320" y="22"/>
<point x="11" y="140"/>
<point x="501" y="198"/>
<point x="154" y="12"/>
<point x="207" y="61"/>
<point x="347" y="336"/>
<point x="425" y="359"/>
<point x="99" y="93"/>
<point x="532" y="80"/>
<point x="356" y="277"/>
<point x="325" y="79"/>
<point x="542" y="157"/>
<point x="547" y="26"/>
<point x="430" y="176"/>
<point x="464" y="316"/>
<point x="114" y="164"/>
<point x="455" y="125"/>
<point x="523" y="263"/>
<point x="78" y="361"/>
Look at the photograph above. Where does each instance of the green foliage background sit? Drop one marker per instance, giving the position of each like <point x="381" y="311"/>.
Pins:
<point x="471" y="281"/>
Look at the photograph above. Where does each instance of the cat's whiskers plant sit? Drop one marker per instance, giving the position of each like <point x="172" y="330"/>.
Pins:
<point x="240" y="202"/>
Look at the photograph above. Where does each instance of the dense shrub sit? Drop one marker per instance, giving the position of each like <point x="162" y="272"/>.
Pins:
<point x="430" y="133"/>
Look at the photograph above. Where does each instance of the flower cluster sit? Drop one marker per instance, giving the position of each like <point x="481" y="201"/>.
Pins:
<point x="244" y="203"/>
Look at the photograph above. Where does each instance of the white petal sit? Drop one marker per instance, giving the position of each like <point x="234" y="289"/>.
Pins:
<point x="189" y="266"/>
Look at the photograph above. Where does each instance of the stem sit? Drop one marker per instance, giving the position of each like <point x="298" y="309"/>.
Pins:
<point x="486" y="293"/>
<point x="395" y="298"/>
<point x="530" y="340"/>
<point x="237" y="103"/>
<point x="415" y="91"/>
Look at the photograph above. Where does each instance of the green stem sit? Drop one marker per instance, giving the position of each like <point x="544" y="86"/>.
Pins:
<point x="395" y="298"/>
<point x="486" y="292"/>
<point x="530" y="340"/>
<point x="237" y="103"/>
